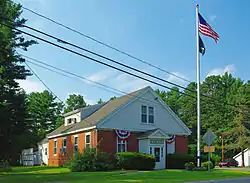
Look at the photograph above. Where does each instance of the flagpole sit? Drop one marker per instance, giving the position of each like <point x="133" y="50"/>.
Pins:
<point x="198" y="88"/>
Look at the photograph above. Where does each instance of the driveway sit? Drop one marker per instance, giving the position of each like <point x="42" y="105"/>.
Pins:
<point x="238" y="180"/>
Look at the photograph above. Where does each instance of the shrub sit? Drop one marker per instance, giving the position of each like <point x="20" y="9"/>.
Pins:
<point x="205" y="165"/>
<point x="205" y="159"/>
<point x="4" y="166"/>
<point x="135" y="161"/>
<point x="89" y="160"/>
<point x="189" y="166"/>
<point x="177" y="161"/>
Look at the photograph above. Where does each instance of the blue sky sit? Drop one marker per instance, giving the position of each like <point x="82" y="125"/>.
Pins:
<point x="160" y="32"/>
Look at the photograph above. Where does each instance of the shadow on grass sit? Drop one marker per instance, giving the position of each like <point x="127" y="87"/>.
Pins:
<point x="31" y="168"/>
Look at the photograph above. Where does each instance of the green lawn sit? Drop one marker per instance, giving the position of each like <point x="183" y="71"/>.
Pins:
<point x="63" y="175"/>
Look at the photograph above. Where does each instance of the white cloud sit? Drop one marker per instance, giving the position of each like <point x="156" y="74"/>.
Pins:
<point x="31" y="86"/>
<point x="213" y="17"/>
<point x="101" y="76"/>
<point x="177" y="80"/>
<point x="128" y="83"/>
<point x="220" y="71"/>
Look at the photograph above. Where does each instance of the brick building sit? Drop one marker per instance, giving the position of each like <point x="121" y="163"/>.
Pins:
<point x="137" y="122"/>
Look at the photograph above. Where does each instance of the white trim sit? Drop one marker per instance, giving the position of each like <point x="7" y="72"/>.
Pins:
<point x="125" y="142"/>
<point x="88" y="133"/>
<point x="75" y="131"/>
<point x="237" y="155"/>
<point x="75" y="136"/>
<point x="55" y="140"/>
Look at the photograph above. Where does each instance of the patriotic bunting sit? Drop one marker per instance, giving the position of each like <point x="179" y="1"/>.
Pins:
<point x="122" y="134"/>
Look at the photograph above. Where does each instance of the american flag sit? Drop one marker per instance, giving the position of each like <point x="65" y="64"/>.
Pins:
<point x="206" y="29"/>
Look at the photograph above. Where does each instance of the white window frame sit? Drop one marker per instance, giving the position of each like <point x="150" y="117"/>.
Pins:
<point x="46" y="151"/>
<point x="147" y="114"/>
<point x="64" y="147"/>
<point x="76" y="144"/>
<point x="144" y="114"/>
<point x="86" y="134"/>
<point x="55" y="147"/>
<point x="151" y="114"/>
<point x="121" y="142"/>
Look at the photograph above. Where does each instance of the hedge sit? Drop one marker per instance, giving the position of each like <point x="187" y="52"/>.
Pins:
<point x="177" y="161"/>
<point x="135" y="161"/>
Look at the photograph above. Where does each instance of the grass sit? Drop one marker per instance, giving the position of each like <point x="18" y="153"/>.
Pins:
<point x="63" y="175"/>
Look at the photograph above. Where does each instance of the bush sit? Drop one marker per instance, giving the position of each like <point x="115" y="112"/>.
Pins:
<point x="205" y="165"/>
<point x="4" y="166"/>
<point x="177" y="161"/>
<point x="205" y="159"/>
<point x="189" y="166"/>
<point x="89" y="160"/>
<point x="135" y="161"/>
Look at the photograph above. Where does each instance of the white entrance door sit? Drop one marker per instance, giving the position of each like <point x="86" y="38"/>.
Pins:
<point x="159" y="153"/>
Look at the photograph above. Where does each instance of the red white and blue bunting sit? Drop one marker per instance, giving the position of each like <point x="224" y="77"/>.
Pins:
<point x="171" y="139"/>
<point x="122" y="134"/>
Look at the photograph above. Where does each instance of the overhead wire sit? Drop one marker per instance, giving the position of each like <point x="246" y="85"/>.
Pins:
<point x="106" y="45"/>
<point x="93" y="59"/>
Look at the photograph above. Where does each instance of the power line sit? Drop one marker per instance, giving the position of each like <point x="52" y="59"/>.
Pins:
<point x="113" y="90"/>
<point x="52" y="91"/>
<point x="104" y="44"/>
<point x="42" y="81"/>
<point x="109" y="59"/>
<point x="92" y="59"/>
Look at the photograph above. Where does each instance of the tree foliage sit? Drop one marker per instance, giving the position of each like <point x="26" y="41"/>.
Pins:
<point x="74" y="102"/>
<point x="222" y="111"/>
<point x="14" y="129"/>
<point x="44" y="112"/>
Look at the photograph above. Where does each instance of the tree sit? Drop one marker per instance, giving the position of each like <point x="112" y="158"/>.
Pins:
<point x="240" y="133"/>
<point x="100" y="101"/>
<point x="14" y="130"/>
<point x="44" y="112"/>
<point x="74" y="102"/>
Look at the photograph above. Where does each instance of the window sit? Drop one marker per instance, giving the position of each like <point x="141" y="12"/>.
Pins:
<point x="150" y="150"/>
<point x="69" y="120"/>
<point x="150" y="114"/>
<point x="74" y="120"/>
<point x="147" y="114"/>
<point x="87" y="140"/>
<point x="64" y="145"/>
<point x="144" y="114"/>
<point x="46" y="151"/>
<point x="55" y="147"/>
<point x="76" y="143"/>
<point x="121" y="145"/>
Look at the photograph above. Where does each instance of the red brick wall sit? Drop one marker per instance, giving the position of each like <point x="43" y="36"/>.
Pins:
<point x="107" y="141"/>
<point x="181" y="144"/>
<point x="59" y="158"/>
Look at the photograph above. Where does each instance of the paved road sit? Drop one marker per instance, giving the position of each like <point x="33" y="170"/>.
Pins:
<point x="233" y="168"/>
<point x="238" y="180"/>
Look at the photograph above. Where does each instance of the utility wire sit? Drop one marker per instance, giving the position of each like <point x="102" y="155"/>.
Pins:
<point x="105" y="44"/>
<point x="81" y="78"/>
<point x="92" y="59"/>
<point x="52" y="91"/>
<point x="42" y="81"/>
<point x="109" y="59"/>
